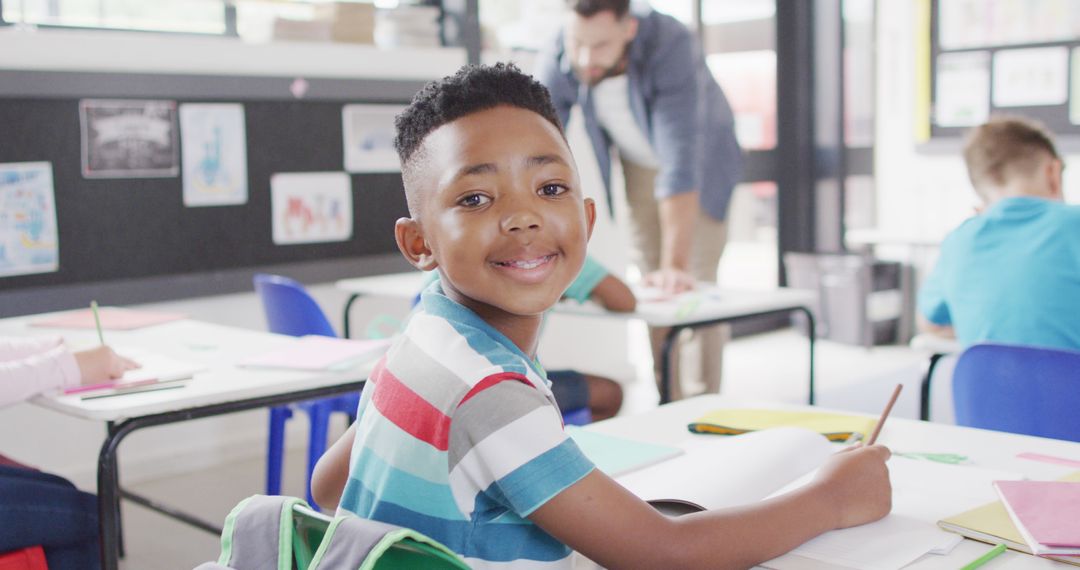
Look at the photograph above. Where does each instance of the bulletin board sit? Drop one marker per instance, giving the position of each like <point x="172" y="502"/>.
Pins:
<point x="1017" y="57"/>
<point x="113" y="228"/>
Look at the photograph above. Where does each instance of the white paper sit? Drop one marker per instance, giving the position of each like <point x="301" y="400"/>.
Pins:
<point x="214" y="147"/>
<point x="368" y="132"/>
<point x="984" y="23"/>
<point x="717" y="472"/>
<point x="888" y="544"/>
<point x="962" y="90"/>
<point x="29" y="242"/>
<point x="129" y="138"/>
<point x="155" y="366"/>
<point x="311" y="207"/>
<point x="1031" y="77"/>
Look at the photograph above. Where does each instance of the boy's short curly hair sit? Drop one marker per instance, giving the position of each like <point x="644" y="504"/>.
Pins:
<point x="473" y="88"/>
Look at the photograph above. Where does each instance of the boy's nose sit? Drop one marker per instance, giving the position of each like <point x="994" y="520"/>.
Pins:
<point x="521" y="219"/>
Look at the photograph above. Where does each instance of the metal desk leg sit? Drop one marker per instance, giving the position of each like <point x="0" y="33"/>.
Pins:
<point x="924" y="392"/>
<point x="345" y="319"/>
<point x="109" y="499"/>
<point x="665" y="364"/>
<point x="811" y="335"/>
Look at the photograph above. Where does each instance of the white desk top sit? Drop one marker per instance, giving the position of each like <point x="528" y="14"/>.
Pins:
<point x="701" y="305"/>
<point x="985" y="449"/>
<point x="215" y="347"/>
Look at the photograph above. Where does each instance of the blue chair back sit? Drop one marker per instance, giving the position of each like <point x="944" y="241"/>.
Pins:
<point x="1019" y="389"/>
<point x="289" y="308"/>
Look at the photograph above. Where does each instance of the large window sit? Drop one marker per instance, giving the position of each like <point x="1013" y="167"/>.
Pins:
<point x="194" y="16"/>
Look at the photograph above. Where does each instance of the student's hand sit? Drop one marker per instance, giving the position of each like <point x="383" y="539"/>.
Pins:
<point x="102" y="364"/>
<point x="670" y="280"/>
<point x="857" y="483"/>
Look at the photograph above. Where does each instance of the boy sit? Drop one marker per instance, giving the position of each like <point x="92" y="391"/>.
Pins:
<point x="1012" y="273"/>
<point x="457" y="434"/>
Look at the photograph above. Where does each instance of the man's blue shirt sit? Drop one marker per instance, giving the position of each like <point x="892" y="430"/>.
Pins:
<point x="1011" y="274"/>
<point x="676" y="103"/>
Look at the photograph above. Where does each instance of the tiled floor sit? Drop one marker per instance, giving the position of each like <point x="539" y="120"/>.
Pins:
<point x="765" y="367"/>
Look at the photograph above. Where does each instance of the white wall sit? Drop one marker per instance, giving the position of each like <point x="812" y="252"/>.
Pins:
<point x="919" y="195"/>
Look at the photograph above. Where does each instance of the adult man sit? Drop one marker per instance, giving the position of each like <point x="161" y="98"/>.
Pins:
<point x="643" y="87"/>
<point x="1012" y="273"/>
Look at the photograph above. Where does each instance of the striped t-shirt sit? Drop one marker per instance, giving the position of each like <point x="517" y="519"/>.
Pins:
<point x="458" y="437"/>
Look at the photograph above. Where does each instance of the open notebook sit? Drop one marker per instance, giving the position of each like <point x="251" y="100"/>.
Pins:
<point x="719" y="472"/>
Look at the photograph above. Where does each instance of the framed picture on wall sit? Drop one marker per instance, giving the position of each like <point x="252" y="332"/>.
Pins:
<point x="129" y="138"/>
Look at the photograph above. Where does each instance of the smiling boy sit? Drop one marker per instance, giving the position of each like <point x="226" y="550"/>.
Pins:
<point x="457" y="433"/>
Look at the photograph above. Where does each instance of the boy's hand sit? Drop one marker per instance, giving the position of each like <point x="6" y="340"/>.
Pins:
<point x="102" y="364"/>
<point x="856" y="483"/>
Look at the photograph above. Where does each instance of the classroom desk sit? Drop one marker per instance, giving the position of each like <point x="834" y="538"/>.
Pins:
<point x="707" y="307"/>
<point x="222" y="388"/>
<point x="987" y="449"/>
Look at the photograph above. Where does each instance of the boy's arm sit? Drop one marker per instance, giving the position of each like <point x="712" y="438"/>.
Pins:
<point x="615" y="295"/>
<point x="602" y="520"/>
<point x="332" y="471"/>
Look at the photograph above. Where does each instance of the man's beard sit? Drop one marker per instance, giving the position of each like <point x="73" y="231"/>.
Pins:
<point x="618" y="68"/>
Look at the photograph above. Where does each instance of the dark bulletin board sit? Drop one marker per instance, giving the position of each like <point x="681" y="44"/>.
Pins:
<point x="112" y="229"/>
<point x="976" y="30"/>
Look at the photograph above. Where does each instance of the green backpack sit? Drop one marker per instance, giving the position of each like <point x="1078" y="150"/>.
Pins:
<point x="284" y="533"/>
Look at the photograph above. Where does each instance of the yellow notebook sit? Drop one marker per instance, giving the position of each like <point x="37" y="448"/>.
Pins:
<point x="735" y="421"/>
<point x="990" y="523"/>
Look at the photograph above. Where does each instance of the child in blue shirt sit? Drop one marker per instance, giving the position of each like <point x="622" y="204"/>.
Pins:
<point x="1012" y="273"/>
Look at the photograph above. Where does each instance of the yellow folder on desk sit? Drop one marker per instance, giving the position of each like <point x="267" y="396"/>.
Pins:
<point x="991" y="523"/>
<point x="735" y="421"/>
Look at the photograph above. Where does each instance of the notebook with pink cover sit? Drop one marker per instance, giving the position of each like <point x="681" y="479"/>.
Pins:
<point x="112" y="318"/>
<point x="1045" y="513"/>
<point x="314" y="352"/>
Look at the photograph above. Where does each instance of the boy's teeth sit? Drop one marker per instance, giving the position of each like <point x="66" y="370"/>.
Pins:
<point x="527" y="264"/>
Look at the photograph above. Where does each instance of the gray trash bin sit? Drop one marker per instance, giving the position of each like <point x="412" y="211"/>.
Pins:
<point x="861" y="300"/>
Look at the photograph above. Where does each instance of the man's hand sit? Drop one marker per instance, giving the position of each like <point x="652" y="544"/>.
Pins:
<point x="670" y="281"/>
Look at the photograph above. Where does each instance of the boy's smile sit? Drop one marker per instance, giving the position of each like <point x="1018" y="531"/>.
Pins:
<point x="500" y="213"/>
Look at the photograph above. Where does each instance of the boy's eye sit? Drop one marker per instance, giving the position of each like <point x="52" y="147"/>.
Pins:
<point x="474" y="200"/>
<point x="553" y="189"/>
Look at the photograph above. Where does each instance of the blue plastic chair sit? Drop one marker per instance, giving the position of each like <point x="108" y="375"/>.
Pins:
<point x="1020" y="389"/>
<point x="290" y="310"/>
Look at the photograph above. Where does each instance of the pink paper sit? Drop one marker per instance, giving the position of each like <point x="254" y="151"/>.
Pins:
<point x="1049" y="459"/>
<point x="1047" y="509"/>
<point x="112" y="318"/>
<point x="317" y="353"/>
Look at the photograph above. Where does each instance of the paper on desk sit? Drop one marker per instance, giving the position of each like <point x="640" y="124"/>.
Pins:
<point x="717" y="472"/>
<point x="923" y="492"/>
<point x="888" y="544"/>
<point x="155" y="366"/>
<point x="112" y="318"/>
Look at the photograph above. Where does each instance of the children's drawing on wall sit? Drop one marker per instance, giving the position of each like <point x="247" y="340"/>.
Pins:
<point x="369" y="138"/>
<point x="214" y="151"/>
<point x="311" y="207"/>
<point x="29" y="242"/>
<point x="129" y="139"/>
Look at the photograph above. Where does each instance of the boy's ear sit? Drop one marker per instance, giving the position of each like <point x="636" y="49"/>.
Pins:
<point x="590" y="217"/>
<point x="411" y="242"/>
<point x="1054" y="171"/>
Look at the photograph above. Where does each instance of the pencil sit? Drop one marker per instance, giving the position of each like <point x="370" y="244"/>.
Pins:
<point x="990" y="554"/>
<point x="884" y="414"/>
<point x="97" y="321"/>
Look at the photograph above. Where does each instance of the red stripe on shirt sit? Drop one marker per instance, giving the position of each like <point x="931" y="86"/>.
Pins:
<point x="409" y="411"/>
<point x="493" y="380"/>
